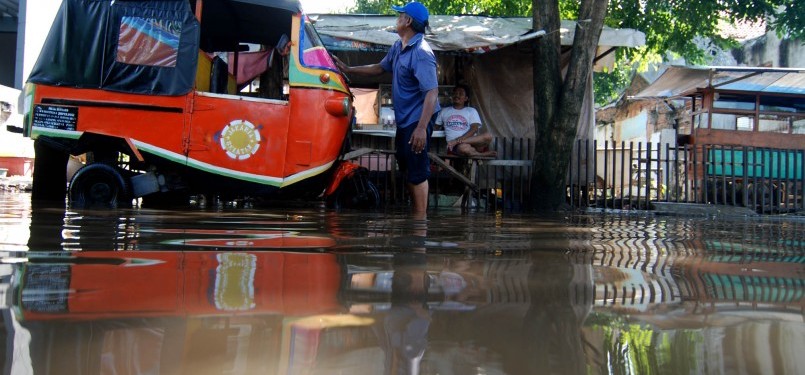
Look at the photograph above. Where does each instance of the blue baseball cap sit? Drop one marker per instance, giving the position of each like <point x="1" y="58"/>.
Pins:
<point x="415" y="9"/>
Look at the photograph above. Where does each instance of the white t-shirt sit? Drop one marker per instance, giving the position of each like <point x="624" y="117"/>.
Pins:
<point x="456" y="122"/>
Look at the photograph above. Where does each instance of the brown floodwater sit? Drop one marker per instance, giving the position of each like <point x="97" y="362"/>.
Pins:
<point x="305" y="290"/>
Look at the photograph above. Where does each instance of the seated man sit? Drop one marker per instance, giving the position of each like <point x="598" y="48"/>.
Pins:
<point x="461" y="124"/>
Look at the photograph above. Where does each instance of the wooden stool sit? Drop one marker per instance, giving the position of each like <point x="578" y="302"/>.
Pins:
<point x="465" y="169"/>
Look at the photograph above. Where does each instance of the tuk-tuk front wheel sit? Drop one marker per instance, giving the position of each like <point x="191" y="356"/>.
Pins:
<point x="99" y="186"/>
<point x="355" y="191"/>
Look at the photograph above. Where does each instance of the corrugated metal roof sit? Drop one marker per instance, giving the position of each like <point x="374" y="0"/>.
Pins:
<point x="9" y="8"/>
<point x="456" y="33"/>
<point x="683" y="81"/>
<point x="771" y="82"/>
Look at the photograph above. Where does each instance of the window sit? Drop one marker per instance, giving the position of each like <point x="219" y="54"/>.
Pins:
<point x="782" y="104"/>
<point x="731" y="101"/>
<point x="313" y="52"/>
<point x="798" y="126"/>
<point x="732" y="122"/>
<point x="700" y="120"/>
<point x="745" y="123"/>
<point x="148" y="41"/>
<point x="773" y="123"/>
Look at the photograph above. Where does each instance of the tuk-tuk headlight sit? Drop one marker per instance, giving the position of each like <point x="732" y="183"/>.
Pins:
<point x="337" y="106"/>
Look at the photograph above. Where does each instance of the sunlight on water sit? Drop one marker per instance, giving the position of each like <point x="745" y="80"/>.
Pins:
<point x="312" y="291"/>
<point x="14" y="221"/>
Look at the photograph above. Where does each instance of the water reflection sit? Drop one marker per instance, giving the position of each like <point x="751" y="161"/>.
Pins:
<point x="308" y="291"/>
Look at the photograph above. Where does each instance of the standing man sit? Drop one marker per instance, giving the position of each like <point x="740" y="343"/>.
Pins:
<point x="415" y="95"/>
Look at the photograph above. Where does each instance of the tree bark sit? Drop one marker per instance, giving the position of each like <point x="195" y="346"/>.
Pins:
<point x="557" y="102"/>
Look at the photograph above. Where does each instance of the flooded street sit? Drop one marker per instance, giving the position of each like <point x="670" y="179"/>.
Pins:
<point x="313" y="291"/>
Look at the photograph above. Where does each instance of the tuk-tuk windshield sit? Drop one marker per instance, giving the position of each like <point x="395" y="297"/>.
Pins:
<point x="314" y="55"/>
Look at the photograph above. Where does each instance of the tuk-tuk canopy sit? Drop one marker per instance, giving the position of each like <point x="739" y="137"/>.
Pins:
<point x="151" y="46"/>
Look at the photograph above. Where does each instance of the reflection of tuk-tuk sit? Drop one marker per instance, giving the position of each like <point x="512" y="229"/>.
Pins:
<point x="195" y="312"/>
<point x="109" y="284"/>
<point x="169" y="98"/>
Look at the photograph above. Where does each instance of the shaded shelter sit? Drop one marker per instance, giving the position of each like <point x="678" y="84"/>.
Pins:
<point x="490" y="54"/>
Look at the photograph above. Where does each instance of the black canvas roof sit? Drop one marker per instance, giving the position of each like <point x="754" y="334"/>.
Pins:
<point x="81" y="49"/>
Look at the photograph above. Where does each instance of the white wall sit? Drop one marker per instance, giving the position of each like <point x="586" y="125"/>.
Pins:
<point x="35" y="19"/>
<point x="766" y="51"/>
<point x="633" y="129"/>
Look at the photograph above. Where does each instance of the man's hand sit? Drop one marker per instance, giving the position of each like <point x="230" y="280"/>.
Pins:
<point x="418" y="139"/>
<point x="452" y="144"/>
<point x="340" y="64"/>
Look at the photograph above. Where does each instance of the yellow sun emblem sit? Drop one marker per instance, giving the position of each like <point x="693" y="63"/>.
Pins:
<point x="240" y="139"/>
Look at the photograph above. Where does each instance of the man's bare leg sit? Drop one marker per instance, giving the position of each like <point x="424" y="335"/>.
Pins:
<point x="470" y="146"/>
<point x="419" y="197"/>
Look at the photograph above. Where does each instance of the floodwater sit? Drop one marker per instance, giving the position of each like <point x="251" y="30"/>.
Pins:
<point x="312" y="291"/>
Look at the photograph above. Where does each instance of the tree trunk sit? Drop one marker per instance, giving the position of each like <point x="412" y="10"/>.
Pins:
<point x="557" y="103"/>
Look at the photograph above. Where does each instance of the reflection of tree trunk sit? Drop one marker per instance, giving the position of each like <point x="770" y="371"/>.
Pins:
<point x="536" y="327"/>
<point x="558" y="103"/>
<point x="552" y="322"/>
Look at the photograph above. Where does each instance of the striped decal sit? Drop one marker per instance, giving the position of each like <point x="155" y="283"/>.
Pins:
<point x="230" y="173"/>
<point x="55" y="133"/>
<point x="200" y="165"/>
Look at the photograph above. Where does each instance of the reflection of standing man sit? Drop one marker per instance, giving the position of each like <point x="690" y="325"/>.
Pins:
<point x="408" y="321"/>
<point x="415" y="94"/>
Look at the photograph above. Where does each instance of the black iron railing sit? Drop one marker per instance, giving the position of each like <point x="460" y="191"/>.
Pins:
<point x="633" y="175"/>
<point x="608" y="175"/>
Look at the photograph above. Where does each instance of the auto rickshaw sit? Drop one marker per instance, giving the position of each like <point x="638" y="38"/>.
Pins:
<point x="164" y="99"/>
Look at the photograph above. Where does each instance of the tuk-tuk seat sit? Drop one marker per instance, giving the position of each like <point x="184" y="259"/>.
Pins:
<point x="219" y="75"/>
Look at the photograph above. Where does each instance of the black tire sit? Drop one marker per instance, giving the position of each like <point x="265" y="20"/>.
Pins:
<point x="99" y="186"/>
<point x="355" y="192"/>
<point x="50" y="173"/>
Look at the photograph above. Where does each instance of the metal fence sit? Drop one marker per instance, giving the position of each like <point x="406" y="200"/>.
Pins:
<point x="631" y="176"/>
<point x="606" y="174"/>
<point x="492" y="184"/>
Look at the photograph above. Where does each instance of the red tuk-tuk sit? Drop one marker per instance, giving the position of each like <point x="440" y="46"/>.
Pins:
<point x="164" y="99"/>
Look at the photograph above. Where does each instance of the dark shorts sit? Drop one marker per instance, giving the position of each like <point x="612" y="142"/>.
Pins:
<point x="415" y="167"/>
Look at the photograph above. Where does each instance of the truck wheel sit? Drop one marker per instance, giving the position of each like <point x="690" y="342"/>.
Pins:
<point x="50" y="173"/>
<point x="99" y="186"/>
<point x="355" y="192"/>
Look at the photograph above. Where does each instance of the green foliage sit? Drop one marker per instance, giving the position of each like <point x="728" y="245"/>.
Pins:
<point x="475" y="7"/>
<point x="640" y="349"/>
<point x="608" y="85"/>
<point x="569" y="9"/>
<point x="790" y="20"/>
<point x="373" y="7"/>
<point x="672" y="28"/>
<point x="669" y="25"/>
